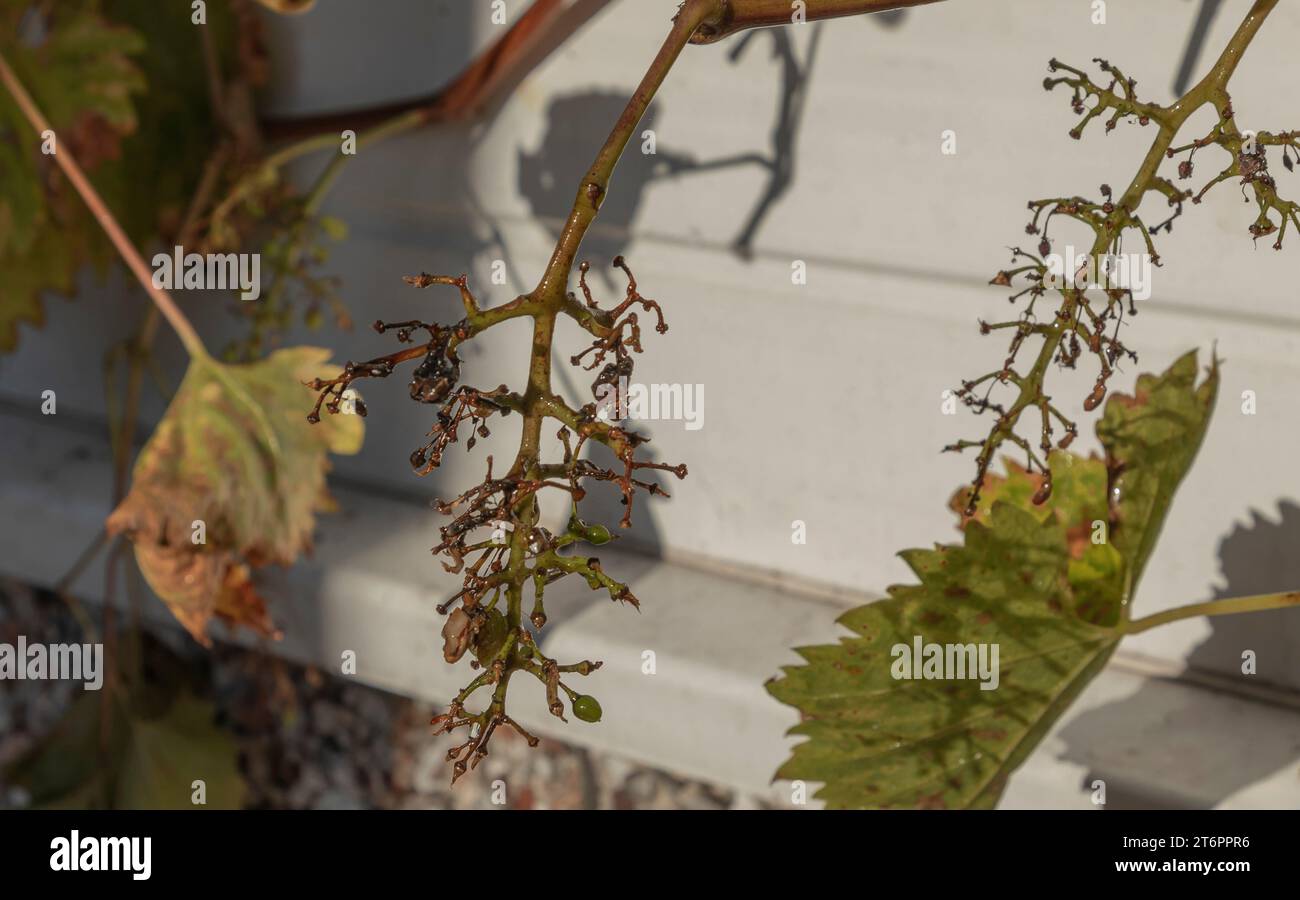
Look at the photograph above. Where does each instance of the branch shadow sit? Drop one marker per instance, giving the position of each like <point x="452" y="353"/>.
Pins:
<point x="574" y="124"/>
<point x="1195" y="43"/>
<point x="579" y="121"/>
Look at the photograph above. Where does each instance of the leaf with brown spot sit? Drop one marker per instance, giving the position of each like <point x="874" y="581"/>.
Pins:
<point x="1021" y="580"/>
<point x="235" y="453"/>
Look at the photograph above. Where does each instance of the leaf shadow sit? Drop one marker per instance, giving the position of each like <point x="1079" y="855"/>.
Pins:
<point x="1257" y="557"/>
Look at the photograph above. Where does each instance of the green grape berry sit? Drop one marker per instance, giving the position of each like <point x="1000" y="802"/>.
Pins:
<point x="598" y="534"/>
<point x="586" y="708"/>
<point x="592" y="534"/>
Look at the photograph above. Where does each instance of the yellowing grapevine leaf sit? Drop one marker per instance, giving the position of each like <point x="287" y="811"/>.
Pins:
<point x="1032" y="582"/>
<point x="231" y="480"/>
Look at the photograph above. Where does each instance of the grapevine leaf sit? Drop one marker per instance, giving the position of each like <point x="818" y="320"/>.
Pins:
<point x="50" y="263"/>
<point x="69" y="768"/>
<point x="80" y="73"/>
<point x="79" y="70"/>
<point x="146" y="762"/>
<point x="230" y="481"/>
<point x="165" y="756"/>
<point x="1151" y="438"/>
<point x="1047" y="586"/>
<point x="83" y="65"/>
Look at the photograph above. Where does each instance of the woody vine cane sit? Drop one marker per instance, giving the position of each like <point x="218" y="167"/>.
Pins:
<point x="486" y="616"/>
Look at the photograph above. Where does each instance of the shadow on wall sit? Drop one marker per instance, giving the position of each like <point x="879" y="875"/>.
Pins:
<point x="1257" y="558"/>
<point x="579" y="122"/>
<point x="1195" y="43"/>
<point x="576" y="125"/>
<point x="780" y="165"/>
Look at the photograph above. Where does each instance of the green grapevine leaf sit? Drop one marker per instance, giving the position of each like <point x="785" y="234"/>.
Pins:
<point x="66" y="770"/>
<point x="165" y="756"/>
<point x="1151" y="439"/>
<point x="83" y="63"/>
<point x="139" y="761"/>
<point x="79" y="70"/>
<point x="50" y="263"/>
<point x="1048" y="586"/>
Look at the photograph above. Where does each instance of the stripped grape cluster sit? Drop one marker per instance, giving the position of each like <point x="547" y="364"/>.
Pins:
<point x="1088" y="304"/>
<point x="494" y="538"/>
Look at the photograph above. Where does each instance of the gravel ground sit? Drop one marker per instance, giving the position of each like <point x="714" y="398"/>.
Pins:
<point x="311" y="740"/>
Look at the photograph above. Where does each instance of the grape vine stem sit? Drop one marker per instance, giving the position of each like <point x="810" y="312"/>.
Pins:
<point x="1254" y="603"/>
